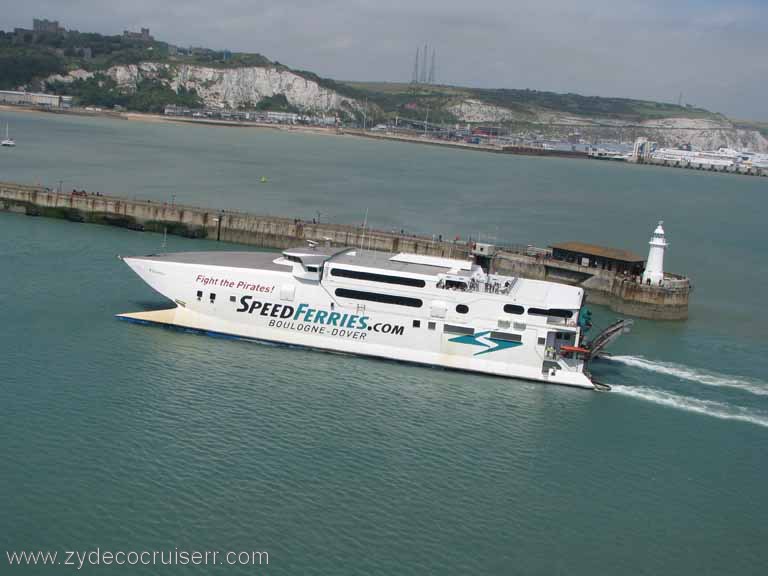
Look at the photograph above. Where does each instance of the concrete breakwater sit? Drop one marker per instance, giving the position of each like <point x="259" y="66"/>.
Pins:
<point x="621" y="294"/>
<point x="223" y="225"/>
<point x="520" y="150"/>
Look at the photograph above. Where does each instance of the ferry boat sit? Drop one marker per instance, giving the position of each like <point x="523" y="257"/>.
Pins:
<point x="414" y="308"/>
<point x="605" y="154"/>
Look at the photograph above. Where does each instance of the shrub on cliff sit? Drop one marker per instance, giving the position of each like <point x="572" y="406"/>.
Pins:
<point x="20" y="66"/>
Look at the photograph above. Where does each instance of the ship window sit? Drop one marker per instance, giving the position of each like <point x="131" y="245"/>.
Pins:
<point x="311" y="268"/>
<point x="455" y="285"/>
<point x="542" y="341"/>
<point x="556" y="312"/>
<point x="233" y="298"/>
<point x="462" y="308"/>
<point x="417" y="323"/>
<point x="292" y="258"/>
<point x="213" y="296"/>
<point x="431" y="325"/>
<point x="519" y="326"/>
<point x="376" y="297"/>
<point x="287" y="292"/>
<point x="438" y="309"/>
<point x="199" y="294"/>
<point x="503" y="323"/>
<point x="451" y="329"/>
<point x="507" y="337"/>
<point x="371" y="277"/>
<point x="513" y="309"/>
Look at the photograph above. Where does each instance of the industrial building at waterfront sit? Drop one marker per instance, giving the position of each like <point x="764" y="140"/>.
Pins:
<point x="35" y="99"/>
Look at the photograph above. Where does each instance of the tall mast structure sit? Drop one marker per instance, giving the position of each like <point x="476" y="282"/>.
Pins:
<point x="431" y="78"/>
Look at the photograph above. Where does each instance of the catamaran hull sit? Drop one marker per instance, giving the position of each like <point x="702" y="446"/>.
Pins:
<point x="180" y="318"/>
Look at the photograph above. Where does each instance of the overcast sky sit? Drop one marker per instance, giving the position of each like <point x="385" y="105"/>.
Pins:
<point x="713" y="51"/>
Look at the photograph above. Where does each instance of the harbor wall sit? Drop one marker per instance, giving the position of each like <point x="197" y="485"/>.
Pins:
<point x="620" y="293"/>
<point x="223" y="225"/>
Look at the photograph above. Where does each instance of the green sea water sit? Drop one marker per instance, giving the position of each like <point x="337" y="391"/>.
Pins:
<point x="127" y="437"/>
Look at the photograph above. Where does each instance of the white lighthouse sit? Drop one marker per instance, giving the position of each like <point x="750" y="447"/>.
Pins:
<point x="654" y="268"/>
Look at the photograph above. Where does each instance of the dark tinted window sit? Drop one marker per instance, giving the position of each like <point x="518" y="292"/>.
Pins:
<point x="506" y="336"/>
<point x="371" y="277"/>
<point x="513" y="309"/>
<point x="311" y="268"/>
<point x="376" y="297"/>
<point x="462" y="308"/>
<point x="550" y="312"/>
<point x="450" y="329"/>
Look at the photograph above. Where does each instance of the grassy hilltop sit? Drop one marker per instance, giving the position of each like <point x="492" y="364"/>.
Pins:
<point x="27" y="59"/>
<point x="526" y="104"/>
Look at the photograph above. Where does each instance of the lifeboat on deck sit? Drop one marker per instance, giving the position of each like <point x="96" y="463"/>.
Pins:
<point x="574" y="349"/>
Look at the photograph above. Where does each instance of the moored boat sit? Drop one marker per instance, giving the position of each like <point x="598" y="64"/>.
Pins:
<point x="8" y="142"/>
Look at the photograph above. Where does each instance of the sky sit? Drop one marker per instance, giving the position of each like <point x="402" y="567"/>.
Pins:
<point x="714" y="52"/>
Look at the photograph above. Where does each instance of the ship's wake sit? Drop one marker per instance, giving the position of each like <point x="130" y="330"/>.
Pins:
<point x="698" y="376"/>
<point x="712" y="408"/>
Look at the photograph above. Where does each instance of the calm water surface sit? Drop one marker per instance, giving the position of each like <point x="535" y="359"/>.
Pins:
<point x="136" y="438"/>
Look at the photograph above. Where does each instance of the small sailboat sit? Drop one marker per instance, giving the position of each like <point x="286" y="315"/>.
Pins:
<point x="8" y="141"/>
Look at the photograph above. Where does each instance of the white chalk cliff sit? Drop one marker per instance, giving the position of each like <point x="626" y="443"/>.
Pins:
<point x="228" y="87"/>
<point x="701" y="133"/>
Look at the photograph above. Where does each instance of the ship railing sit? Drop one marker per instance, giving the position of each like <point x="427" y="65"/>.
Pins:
<point x="502" y="288"/>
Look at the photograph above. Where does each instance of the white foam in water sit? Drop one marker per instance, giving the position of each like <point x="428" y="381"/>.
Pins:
<point x="693" y="375"/>
<point x="707" y="407"/>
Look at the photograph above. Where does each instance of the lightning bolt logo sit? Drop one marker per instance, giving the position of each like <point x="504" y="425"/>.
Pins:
<point x="482" y="339"/>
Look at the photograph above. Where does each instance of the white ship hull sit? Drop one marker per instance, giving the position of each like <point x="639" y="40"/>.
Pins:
<point x="286" y="306"/>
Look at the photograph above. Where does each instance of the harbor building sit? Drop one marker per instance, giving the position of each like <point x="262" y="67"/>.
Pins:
<point x="642" y="150"/>
<point x="592" y="256"/>
<point x="40" y="27"/>
<point x="35" y="99"/>
<point x="45" y="26"/>
<point x="143" y="36"/>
